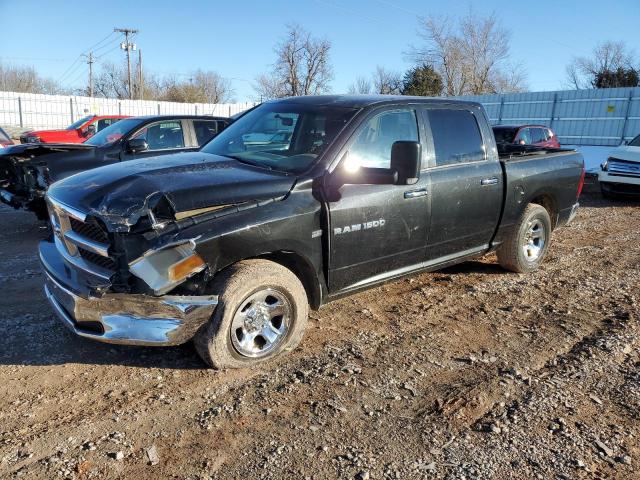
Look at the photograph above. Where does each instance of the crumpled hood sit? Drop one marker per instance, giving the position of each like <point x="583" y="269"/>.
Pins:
<point x="122" y="193"/>
<point x="34" y="154"/>
<point x="28" y="150"/>
<point x="626" y="152"/>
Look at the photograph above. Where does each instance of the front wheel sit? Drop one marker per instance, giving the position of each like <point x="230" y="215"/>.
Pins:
<point x="526" y="246"/>
<point x="262" y="312"/>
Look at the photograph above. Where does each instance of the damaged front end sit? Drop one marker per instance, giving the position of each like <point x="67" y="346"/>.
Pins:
<point x="121" y="265"/>
<point x="93" y="291"/>
<point x="24" y="175"/>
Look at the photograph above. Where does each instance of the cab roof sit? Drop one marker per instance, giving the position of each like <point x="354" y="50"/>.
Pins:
<point x="363" y="101"/>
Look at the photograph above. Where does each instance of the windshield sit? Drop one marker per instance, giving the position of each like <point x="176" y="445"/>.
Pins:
<point x="635" y="142"/>
<point x="114" y="132"/>
<point x="283" y="136"/>
<point x="78" y="123"/>
<point x="505" y="135"/>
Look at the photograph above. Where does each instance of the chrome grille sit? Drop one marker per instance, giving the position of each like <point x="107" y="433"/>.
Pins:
<point x="105" y="262"/>
<point x="624" y="168"/>
<point x="80" y="240"/>
<point x="90" y="229"/>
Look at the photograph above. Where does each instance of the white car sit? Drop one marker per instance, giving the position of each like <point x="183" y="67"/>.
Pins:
<point x="620" y="173"/>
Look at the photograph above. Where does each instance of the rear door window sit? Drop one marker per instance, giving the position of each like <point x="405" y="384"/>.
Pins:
<point x="163" y="135"/>
<point x="524" y="136"/>
<point x="205" y="130"/>
<point x="105" y="122"/>
<point x="456" y="136"/>
<point x="537" y="135"/>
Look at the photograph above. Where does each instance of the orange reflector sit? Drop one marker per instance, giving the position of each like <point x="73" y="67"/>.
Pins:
<point x="185" y="267"/>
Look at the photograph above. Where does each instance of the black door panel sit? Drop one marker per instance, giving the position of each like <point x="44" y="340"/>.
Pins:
<point x="375" y="229"/>
<point x="465" y="207"/>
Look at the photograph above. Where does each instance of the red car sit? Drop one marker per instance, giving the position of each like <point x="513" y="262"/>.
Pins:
<point x="77" y="132"/>
<point x="537" y="135"/>
<point x="5" y="139"/>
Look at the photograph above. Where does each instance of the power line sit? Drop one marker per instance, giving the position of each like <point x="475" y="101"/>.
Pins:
<point x="74" y="65"/>
<point x="104" y="54"/>
<point x="95" y="46"/>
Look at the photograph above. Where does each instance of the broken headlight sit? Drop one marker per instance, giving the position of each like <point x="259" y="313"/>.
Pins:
<point x="165" y="269"/>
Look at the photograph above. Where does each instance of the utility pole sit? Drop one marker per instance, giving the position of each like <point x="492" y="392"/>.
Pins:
<point x="140" y="84"/>
<point x="128" y="46"/>
<point x="90" y="61"/>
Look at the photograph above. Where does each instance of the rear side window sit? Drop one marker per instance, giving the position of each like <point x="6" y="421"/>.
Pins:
<point x="205" y="130"/>
<point x="537" y="135"/>
<point x="456" y="136"/>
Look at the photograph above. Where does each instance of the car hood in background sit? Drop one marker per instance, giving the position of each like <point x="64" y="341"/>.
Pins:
<point x="625" y="152"/>
<point x="121" y="194"/>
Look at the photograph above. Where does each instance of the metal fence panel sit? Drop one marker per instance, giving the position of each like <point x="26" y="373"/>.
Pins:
<point x="579" y="117"/>
<point x="30" y="111"/>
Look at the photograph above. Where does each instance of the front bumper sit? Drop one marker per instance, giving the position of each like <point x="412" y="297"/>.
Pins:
<point x="609" y="178"/>
<point x="128" y="319"/>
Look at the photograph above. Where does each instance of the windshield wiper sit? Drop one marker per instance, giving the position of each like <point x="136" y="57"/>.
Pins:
<point x="248" y="162"/>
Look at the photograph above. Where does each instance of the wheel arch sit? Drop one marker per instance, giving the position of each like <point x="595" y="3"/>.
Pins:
<point x="300" y="266"/>
<point x="549" y="203"/>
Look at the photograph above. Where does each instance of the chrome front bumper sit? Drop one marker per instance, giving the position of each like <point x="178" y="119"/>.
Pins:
<point x="129" y="319"/>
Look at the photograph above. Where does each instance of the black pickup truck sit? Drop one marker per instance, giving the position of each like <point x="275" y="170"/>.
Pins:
<point x="231" y="245"/>
<point x="27" y="170"/>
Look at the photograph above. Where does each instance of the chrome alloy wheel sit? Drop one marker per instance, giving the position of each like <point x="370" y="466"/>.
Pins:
<point x="261" y="323"/>
<point x="534" y="240"/>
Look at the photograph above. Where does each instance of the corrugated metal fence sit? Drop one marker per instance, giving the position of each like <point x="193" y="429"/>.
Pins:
<point x="579" y="117"/>
<point x="27" y="110"/>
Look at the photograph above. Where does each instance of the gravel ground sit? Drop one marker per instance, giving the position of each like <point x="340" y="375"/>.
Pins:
<point x="470" y="372"/>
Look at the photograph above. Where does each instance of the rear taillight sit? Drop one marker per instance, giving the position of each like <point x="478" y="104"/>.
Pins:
<point x="581" y="182"/>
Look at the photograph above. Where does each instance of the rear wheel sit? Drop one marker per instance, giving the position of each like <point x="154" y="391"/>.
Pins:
<point x="262" y="312"/>
<point x="526" y="246"/>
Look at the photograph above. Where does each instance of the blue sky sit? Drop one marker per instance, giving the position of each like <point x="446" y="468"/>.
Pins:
<point x="236" y="38"/>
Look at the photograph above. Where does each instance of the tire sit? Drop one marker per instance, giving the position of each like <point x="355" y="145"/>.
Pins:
<point x="606" y="192"/>
<point x="256" y="299"/>
<point x="534" y="225"/>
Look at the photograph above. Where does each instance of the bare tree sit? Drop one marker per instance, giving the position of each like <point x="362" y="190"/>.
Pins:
<point x="214" y="87"/>
<point x="361" y="86"/>
<point x="471" y="54"/>
<point x="112" y="81"/>
<point x="25" y="79"/>
<point x="387" y="82"/>
<point x="383" y="81"/>
<point x="607" y="57"/>
<point x="201" y="87"/>
<point x="301" y="67"/>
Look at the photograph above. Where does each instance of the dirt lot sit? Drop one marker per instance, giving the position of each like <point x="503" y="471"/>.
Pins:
<point x="470" y="372"/>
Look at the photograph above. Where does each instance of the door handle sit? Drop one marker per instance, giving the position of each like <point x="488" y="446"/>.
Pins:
<point x="489" y="181"/>
<point x="422" y="192"/>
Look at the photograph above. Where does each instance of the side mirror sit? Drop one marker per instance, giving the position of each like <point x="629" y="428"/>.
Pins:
<point x="405" y="168"/>
<point x="136" y="145"/>
<point x="405" y="160"/>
